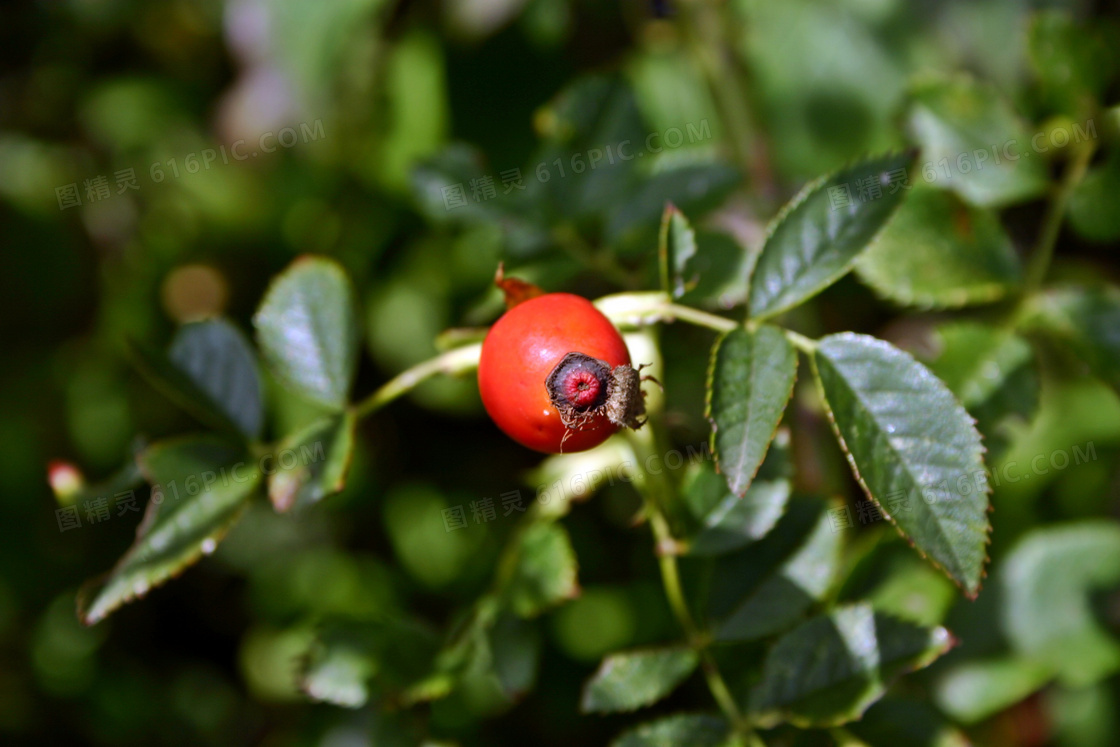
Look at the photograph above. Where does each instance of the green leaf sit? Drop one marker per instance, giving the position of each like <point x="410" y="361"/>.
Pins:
<point x="992" y="373"/>
<point x="1047" y="581"/>
<point x="696" y="186"/>
<point x="728" y="521"/>
<point x="828" y="670"/>
<point x="219" y="361"/>
<point x="973" y="691"/>
<point x="912" y="723"/>
<point x="1092" y="203"/>
<point x="200" y="486"/>
<point x="958" y="122"/>
<point x="515" y="648"/>
<point x="676" y="246"/>
<point x="442" y="188"/>
<point x="914" y="592"/>
<point x="1087" y="320"/>
<point x="339" y="674"/>
<point x="308" y="330"/>
<point x="719" y="273"/>
<point x="816" y="238"/>
<point x="977" y="360"/>
<point x="312" y="463"/>
<point x="351" y="662"/>
<point x="939" y="252"/>
<point x="545" y="574"/>
<point x="590" y="113"/>
<point x="750" y="382"/>
<point x="769" y="585"/>
<point x="680" y="730"/>
<point x="175" y="384"/>
<point x="630" y="680"/>
<point x="1073" y="63"/>
<point x="913" y="449"/>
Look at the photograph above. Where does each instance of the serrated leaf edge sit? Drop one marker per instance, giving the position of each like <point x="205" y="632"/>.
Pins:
<point x="708" y="406"/>
<point x="970" y="594"/>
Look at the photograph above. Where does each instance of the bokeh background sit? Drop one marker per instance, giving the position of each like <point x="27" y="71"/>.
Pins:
<point x="386" y="104"/>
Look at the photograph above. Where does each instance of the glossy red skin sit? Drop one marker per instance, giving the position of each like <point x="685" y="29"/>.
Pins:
<point x="521" y="350"/>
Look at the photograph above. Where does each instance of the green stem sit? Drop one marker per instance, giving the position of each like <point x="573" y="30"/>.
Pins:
<point x="656" y="491"/>
<point x="701" y="318"/>
<point x="801" y="342"/>
<point x="1051" y="224"/>
<point x="635" y="310"/>
<point x="453" y="362"/>
<point x="624" y="309"/>
<point x="707" y="27"/>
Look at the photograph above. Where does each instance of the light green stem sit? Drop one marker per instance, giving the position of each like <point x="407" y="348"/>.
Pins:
<point x="710" y="30"/>
<point x="656" y="490"/>
<point x="453" y="362"/>
<point x="1052" y="223"/>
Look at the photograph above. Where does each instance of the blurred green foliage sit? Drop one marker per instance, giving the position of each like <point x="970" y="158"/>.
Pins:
<point x="211" y="143"/>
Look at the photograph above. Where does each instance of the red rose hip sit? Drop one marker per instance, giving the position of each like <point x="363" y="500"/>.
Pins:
<point x="555" y="375"/>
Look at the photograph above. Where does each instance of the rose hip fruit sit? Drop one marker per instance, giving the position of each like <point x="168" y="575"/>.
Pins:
<point x="555" y="375"/>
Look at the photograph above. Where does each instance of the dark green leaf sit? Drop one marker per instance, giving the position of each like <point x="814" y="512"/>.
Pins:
<point x="816" y="238"/>
<point x="1088" y="321"/>
<point x="914" y="592"/>
<point x="958" y="123"/>
<point x="442" y="187"/>
<point x="545" y="574"/>
<point x="828" y="670"/>
<point x="680" y="730"/>
<point x="352" y="661"/>
<point x="912" y="447"/>
<point x="974" y="691"/>
<point x="592" y="112"/>
<point x="720" y="272"/>
<point x="630" y="680"/>
<point x="939" y="252"/>
<point x="976" y="360"/>
<point x="312" y="463"/>
<point x="728" y="521"/>
<point x="173" y="383"/>
<point x="893" y="721"/>
<point x="676" y="246"/>
<point x="695" y="186"/>
<point x="220" y="362"/>
<point x="515" y="647"/>
<point x="1073" y="63"/>
<point x="199" y="487"/>
<point x="769" y="585"/>
<point x="1092" y="203"/>
<point x="1047" y="581"/>
<point x="750" y="382"/>
<point x="992" y="373"/>
<point x="308" y="331"/>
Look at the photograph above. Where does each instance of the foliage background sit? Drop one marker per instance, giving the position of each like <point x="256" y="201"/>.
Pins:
<point x="91" y="88"/>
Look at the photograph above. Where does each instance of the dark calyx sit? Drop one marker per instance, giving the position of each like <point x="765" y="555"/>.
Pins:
<point x="582" y="389"/>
